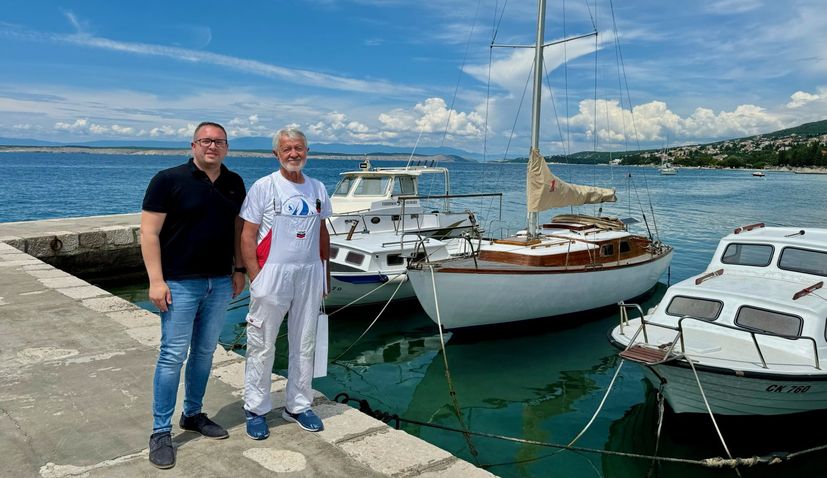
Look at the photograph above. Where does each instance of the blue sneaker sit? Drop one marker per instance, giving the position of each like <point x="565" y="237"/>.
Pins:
<point x="307" y="420"/>
<point x="257" y="428"/>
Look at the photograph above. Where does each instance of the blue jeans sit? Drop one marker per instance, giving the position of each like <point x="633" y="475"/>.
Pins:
<point x="192" y="324"/>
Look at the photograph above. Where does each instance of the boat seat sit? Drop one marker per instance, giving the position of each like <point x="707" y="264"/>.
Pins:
<point x="648" y="354"/>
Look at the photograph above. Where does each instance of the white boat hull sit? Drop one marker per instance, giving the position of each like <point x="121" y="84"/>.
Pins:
<point x="730" y="394"/>
<point x="347" y="288"/>
<point x="470" y="299"/>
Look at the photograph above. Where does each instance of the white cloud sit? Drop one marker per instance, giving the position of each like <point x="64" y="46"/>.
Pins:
<point x="801" y="98"/>
<point x="336" y="127"/>
<point x="290" y="74"/>
<point x="732" y="7"/>
<point x="654" y="122"/>
<point x="433" y="116"/>
<point x="79" y="125"/>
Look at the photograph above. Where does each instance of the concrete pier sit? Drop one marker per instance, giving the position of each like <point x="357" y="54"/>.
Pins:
<point x="76" y="367"/>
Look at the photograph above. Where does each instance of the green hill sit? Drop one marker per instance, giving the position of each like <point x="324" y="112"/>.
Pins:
<point x="807" y="129"/>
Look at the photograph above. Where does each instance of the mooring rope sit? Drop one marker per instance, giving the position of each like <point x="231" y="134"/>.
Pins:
<point x="713" y="462"/>
<point x="451" y="390"/>
<point x="371" y="324"/>
<point x="390" y="278"/>
<point x="708" y="408"/>
<point x="599" y="407"/>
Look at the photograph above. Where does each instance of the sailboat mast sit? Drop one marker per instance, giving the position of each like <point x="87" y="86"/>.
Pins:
<point x="537" y="92"/>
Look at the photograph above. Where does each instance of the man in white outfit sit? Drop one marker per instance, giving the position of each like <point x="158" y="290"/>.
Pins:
<point x="285" y="247"/>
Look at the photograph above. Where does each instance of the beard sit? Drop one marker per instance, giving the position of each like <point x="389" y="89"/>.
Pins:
<point x="293" y="166"/>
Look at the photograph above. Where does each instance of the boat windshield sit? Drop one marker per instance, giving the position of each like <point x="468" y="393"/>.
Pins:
<point x="756" y="255"/>
<point x="803" y="260"/>
<point x="372" y="186"/>
<point x="344" y="186"/>
<point x="682" y="306"/>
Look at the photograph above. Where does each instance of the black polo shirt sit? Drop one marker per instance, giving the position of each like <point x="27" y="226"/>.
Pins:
<point x="198" y="232"/>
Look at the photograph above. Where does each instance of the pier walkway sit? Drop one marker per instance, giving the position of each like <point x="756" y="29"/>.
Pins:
<point x="76" y="367"/>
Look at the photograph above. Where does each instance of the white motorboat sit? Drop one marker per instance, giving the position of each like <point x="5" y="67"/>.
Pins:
<point x="746" y="336"/>
<point x="758" y="174"/>
<point x="380" y="224"/>
<point x="573" y="264"/>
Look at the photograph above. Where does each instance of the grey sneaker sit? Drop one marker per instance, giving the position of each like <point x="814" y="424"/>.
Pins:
<point x="201" y="424"/>
<point x="161" y="451"/>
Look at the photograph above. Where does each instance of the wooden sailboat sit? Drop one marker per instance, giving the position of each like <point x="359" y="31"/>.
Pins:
<point x="572" y="264"/>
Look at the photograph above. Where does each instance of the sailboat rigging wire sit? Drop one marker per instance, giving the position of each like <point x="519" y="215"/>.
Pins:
<point x="451" y="390"/>
<point x="459" y="75"/>
<point x="637" y="195"/>
<point x="619" y="54"/>
<point x="554" y="108"/>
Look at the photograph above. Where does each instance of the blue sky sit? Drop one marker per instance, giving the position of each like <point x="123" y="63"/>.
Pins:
<point x="401" y="72"/>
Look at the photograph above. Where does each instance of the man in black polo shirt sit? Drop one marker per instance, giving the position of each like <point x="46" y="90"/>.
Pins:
<point x="189" y="241"/>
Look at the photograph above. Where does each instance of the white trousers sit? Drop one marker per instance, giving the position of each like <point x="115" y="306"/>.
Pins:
<point x="279" y="289"/>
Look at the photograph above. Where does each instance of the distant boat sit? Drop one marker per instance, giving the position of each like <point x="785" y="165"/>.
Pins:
<point x="746" y="336"/>
<point x="668" y="170"/>
<point x="759" y="174"/>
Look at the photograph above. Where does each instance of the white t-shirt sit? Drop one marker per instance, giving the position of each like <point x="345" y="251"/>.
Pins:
<point x="289" y="216"/>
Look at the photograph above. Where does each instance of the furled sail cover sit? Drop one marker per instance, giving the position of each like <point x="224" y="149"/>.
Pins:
<point x="546" y="191"/>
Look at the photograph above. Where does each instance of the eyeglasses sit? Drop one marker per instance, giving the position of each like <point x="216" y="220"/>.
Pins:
<point x="206" y="142"/>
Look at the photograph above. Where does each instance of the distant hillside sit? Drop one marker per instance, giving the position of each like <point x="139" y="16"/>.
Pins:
<point x="807" y="129"/>
<point x="816" y="128"/>
<point x="263" y="144"/>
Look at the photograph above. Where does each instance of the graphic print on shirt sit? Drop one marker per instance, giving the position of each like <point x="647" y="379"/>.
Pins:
<point x="297" y="207"/>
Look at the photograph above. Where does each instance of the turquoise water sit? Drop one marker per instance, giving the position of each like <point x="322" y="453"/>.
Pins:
<point x="533" y="381"/>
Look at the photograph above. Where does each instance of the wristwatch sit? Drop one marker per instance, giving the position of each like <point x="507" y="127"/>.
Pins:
<point x="243" y="270"/>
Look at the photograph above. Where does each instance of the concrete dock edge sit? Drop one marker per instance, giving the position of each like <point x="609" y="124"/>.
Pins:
<point x="76" y="366"/>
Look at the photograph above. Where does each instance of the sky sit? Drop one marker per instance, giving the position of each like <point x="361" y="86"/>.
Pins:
<point x="412" y="73"/>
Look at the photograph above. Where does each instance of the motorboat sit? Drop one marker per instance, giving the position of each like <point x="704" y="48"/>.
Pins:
<point x="758" y="174"/>
<point x="381" y="223"/>
<point x="744" y="337"/>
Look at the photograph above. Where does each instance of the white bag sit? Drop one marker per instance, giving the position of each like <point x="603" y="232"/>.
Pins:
<point x="320" y="359"/>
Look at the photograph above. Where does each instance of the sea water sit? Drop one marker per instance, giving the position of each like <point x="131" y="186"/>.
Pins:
<point x="539" y="381"/>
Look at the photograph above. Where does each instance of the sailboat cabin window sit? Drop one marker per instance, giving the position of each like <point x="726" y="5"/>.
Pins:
<point x="803" y="260"/>
<point x="334" y="251"/>
<point x="625" y="247"/>
<point x="355" y="258"/>
<point x="404" y="186"/>
<point x="372" y="186"/>
<point x="756" y="255"/>
<point x="607" y="250"/>
<point x="769" y="321"/>
<point x="706" y="309"/>
<point x="344" y="186"/>
<point x="395" y="260"/>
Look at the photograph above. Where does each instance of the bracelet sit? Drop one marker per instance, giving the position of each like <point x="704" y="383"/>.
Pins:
<point x="243" y="270"/>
